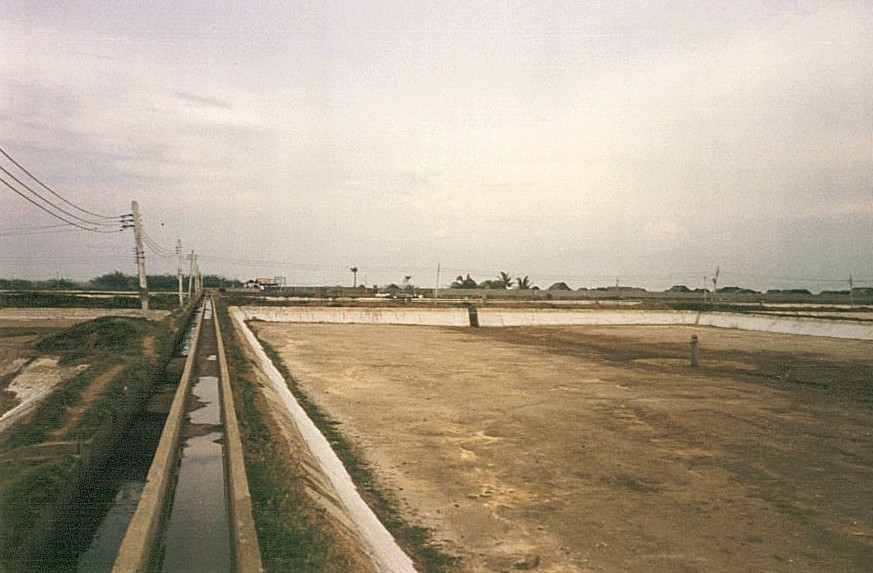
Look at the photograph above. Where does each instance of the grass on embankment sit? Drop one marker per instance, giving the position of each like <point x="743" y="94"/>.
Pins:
<point x="285" y="532"/>
<point x="39" y="484"/>
<point x="294" y="535"/>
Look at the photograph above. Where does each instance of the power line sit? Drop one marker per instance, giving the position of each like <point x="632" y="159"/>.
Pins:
<point x="42" y="230"/>
<point x="52" y="191"/>
<point x="53" y="214"/>
<point x="62" y="210"/>
<point x="156" y="247"/>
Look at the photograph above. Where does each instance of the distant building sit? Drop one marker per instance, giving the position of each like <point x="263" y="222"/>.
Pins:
<point x="266" y="283"/>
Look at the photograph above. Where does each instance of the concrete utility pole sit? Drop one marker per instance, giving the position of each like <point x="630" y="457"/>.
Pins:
<point x="436" y="289"/>
<point x="179" y="271"/>
<point x="851" y="291"/>
<point x="140" y="260"/>
<point x="714" y="297"/>
<point x="191" y="258"/>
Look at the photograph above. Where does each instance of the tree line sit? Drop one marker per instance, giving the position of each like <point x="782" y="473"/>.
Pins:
<point x="117" y="281"/>
<point x="503" y="281"/>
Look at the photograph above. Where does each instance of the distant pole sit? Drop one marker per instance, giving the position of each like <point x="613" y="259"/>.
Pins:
<point x="140" y="261"/>
<point x="851" y="291"/>
<point x="436" y="289"/>
<point x="191" y="258"/>
<point x="694" y="341"/>
<point x="179" y="271"/>
<point x="714" y="297"/>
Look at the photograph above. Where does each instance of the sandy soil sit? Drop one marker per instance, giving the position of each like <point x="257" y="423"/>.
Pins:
<point x="600" y="449"/>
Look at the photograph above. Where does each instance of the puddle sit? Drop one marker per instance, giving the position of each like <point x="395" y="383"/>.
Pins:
<point x="209" y="405"/>
<point x="197" y="534"/>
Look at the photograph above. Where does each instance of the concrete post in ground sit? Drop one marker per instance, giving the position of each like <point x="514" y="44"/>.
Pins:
<point x="474" y="316"/>
<point x="694" y="363"/>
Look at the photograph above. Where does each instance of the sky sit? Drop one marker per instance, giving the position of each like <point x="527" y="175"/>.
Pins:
<point x="645" y="143"/>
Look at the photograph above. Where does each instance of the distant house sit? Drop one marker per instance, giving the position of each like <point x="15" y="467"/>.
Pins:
<point x="560" y="286"/>
<point x="266" y="283"/>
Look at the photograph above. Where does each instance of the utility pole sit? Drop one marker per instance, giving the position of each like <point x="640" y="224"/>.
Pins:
<point x="436" y="289"/>
<point x="851" y="291"/>
<point x="179" y="271"/>
<point x="191" y="258"/>
<point x="715" y="285"/>
<point x="140" y="260"/>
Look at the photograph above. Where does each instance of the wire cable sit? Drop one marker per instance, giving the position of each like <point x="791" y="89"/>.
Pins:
<point x="61" y="209"/>
<point x="50" y="190"/>
<point x="53" y="214"/>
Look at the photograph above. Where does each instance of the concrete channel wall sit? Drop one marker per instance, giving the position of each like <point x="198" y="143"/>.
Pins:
<point x="136" y="547"/>
<point x="493" y="317"/>
<point x="246" y="550"/>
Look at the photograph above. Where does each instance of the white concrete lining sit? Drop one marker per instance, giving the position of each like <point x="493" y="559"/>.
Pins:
<point x="492" y="317"/>
<point x="357" y="315"/>
<point x="383" y="550"/>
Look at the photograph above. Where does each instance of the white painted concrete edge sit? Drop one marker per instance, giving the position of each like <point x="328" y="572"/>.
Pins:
<point x="358" y="315"/>
<point x="386" y="555"/>
<point x="493" y="317"/>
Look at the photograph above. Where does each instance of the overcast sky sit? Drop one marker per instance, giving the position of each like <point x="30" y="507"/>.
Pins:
<point x="580" y="141"/>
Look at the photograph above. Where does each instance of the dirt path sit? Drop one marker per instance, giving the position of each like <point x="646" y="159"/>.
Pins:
<point x="599" y="449"/>
<point x="75" y="413"/>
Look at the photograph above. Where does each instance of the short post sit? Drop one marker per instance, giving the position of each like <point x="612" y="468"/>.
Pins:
<point x="694" y="363"/>
<point x="474" y="316"/>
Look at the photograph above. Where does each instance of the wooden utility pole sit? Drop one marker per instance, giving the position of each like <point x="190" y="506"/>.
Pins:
<point x="140" y="261"/>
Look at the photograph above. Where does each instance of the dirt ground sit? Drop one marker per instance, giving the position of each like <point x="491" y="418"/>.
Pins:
<point x="601" y="449"/>
<point x="17" y="338"/>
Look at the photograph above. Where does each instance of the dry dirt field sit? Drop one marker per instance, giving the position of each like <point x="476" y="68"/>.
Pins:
<point x="600" y="449"/>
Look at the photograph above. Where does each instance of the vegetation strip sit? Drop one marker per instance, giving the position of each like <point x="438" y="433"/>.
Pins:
<point x="246" y="549"/>
<point x="293" y="532"/>
<point x="135" y="550"/>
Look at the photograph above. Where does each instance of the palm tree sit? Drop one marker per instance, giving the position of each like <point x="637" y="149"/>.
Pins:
<point x="462" y="282"/>
<point x="504" y="280"/>
<point x="355" y="274"/>
<point x="524" y="283"/>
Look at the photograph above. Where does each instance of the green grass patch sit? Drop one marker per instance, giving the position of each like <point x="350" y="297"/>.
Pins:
<point x="107" y="334"/>
<point x="37" y="486"/>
